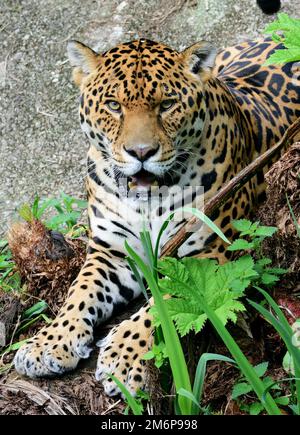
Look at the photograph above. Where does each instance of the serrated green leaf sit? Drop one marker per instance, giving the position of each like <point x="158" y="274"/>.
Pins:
<point x="289" y="29"/>
<point x="240" y="389"/>
<point x="239" y="245"/>
<point x="269" y="382"/>
<point x="265" y="231"/>
<point x="149" y="355"/>
<point x="191" y="279"/>
<point x="283" y="400"/>
<point x="263" y="262"/>
<point x="242" y="225"/>
<point x="256" y="408"/>
<point x="268" y="278"/>
<point x="283" y="56"/>
<point x="260" y="369"/>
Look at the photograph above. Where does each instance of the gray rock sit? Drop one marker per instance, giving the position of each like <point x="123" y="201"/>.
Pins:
<point x="42" y="150"/>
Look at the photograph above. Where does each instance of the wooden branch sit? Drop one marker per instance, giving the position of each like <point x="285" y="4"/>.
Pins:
<point x="171" y="247"/>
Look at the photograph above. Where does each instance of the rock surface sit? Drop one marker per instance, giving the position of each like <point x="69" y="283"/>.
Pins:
<point x="42" y="150"/>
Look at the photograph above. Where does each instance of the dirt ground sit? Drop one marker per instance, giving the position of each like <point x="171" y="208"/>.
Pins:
<point x="42" y="150"/>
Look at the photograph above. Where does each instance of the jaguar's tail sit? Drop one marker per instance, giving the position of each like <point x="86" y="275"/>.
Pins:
<point x="269" y="6"/>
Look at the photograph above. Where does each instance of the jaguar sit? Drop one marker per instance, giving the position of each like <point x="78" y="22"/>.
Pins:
<point x="156" y="117"/>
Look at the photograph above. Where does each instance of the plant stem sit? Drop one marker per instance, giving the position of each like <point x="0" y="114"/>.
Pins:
<point x="244" y="365"/>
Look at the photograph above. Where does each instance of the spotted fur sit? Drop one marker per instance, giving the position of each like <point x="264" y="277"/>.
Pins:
<point x="186" y="119"/>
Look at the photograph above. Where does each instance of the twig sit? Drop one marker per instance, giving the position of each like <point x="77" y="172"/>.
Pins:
<point x="114" y="405"/>
<point x="171" y="247"/>
<point x="41" y="112"/>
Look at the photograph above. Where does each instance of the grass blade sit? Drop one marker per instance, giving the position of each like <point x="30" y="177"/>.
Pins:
<point x="243" y="363"/>
<point x="132" y="403"/>
<point x="173" y="345"/>
<point x="297" y="226"/>
<point x="138" y="277"/>
<point x="200" y="374"/>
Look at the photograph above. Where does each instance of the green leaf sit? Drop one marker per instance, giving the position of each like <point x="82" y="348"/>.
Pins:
<point x="135" y="406"/>
<point x="36" y="309"/>
<point x="288" y="364"/>
<point x="63" y="218"/>
<point x="283" y="400"/>
<point x="189" y="395"/>
<point x="138" y="277"/>
<point x="290" y="28"/>
<point x="26" y="213"/>
<point x="14" y="346"/>
<point x="241" y="389"/>
<point x="191" y="279"/>
<point x="265" y="231"/>
<point x="149" y="355"/>
<point x="256" y="408"/>
<point x="260" y="369"/>
<point x="297" y="226"/>
<point x="263" y="262"/>
<point x="173" y="346"/>
<point x="35" y="206"/>
<point x="242" y="225"/>
<point x="268" y="278"/>
<point x="200" y="374"/>
<point x="201" y="216"/>
<point x="239" y="245"/>
<point x="46" y="204"/>
<point x="3" y="243"/>
<point x="295" y="409"/>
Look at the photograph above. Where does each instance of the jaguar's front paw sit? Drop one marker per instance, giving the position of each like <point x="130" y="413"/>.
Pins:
<point x="55" y="350"/>
<point x="121" y="354"/>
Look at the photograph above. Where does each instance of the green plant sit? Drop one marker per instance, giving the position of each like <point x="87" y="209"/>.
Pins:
<point x="9" y="277"/>
<point x="158" y="353"/>
<point x="132" y="403"/>
<point x="219" y="324"/>
<point x="287" y="334"/>
<point x="286" y="30"/>
<point x="33" y="315"/>
<point x="29" y="317"/>
<point x="256" y="234"/>
<point x="68" y="210"/>
<point x="242" y="389"/>
<point x="141" y="398"/>
<point x="297" y="226"/>
<point x="197" y="296"/>
<point x="192" y="281"/>
<point x="185" y="398"/>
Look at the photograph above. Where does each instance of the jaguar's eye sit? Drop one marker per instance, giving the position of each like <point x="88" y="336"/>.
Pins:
<point x="114" y="106"/>
<point x="166" y="105"/>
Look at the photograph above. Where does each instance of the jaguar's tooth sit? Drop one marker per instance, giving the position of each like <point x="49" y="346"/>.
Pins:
<point x="132" y="185"/>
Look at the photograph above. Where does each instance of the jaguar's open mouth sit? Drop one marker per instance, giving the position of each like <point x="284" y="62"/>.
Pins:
<point x="143" y="179"/>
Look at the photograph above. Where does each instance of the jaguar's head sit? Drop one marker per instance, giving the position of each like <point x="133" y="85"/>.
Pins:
<point x="142" y="104"/>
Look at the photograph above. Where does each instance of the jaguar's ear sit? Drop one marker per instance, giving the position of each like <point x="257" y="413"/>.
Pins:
<point x="83" y="59"/>
<point x="200" y="58"/>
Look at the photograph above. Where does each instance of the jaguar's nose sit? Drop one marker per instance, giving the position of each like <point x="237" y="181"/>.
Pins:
<point x="142" y="152"/>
